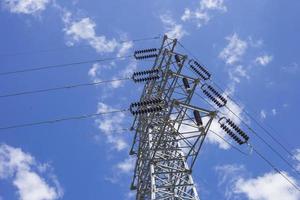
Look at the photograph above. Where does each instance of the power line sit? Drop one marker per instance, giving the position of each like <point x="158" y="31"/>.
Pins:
<point x="73" y="64"/>
<point x="210" y="104"/>
<point x="52" y="121"/>
<point x="73" y="47"/>
<point x="256" y="134"/>
<point x="234" y="147"/>
<point x="257" y="123"/>
<point x="262" y="157"/>
<point x="277" y="170"/>
<point x="243" y="110"/>
<point x="264" y="141"/>
<point x="61" y="87"/>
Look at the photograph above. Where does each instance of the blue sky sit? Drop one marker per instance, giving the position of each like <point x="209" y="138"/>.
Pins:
<point x="250" y="47"/>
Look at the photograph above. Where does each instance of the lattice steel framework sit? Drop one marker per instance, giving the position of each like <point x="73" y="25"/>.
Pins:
<point x="169" y="132"/>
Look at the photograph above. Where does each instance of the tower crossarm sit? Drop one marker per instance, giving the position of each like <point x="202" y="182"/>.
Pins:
<point x="169" y="131"/>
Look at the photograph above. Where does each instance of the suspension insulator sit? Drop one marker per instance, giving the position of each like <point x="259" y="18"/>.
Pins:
<point x="231" y="134"/>
<point x="177" y="59"/>
<point x="186" y="84"/>
<point x="234" y="131"/>
<point x="146" y="106"/>
<point x="238" y="130"/>
<point x="200" y="70"/>
<point x="198" y="118"/>
<point x="214" y="95"/>
<point x="147" y="110"/>
<point x="146" y="53"/>
<point x="146" y="75"/>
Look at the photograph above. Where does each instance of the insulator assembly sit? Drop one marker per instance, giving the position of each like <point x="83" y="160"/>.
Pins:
<point x="146" y="53"/>
<point x="213" y="95"/>
<point x="198" y="118"/>
<point x="146" y="75"/>
<point x="200" y="70"/>
<point x="146" y="106"/>
<point x="233" y="131"/>
<point x="178" y="60"/>
<point x="186" y="84"/>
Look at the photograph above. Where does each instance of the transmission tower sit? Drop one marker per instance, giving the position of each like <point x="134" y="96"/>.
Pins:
<point x="169" y="131"/>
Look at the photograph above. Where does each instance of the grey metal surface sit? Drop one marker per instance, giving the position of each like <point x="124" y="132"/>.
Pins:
<point x="167" y="143"/>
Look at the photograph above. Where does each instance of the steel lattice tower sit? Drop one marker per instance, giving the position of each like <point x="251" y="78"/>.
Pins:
<point x="169" y="132"/>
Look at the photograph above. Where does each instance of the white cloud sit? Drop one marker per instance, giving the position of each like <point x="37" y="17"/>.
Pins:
<point x="232" y="54"/>
<point x="125" y="73"/>
<point x="126" y="166"/>
<point x="121" y="169"/>
<point x="124" y="48"/>
<point x="129" y="69"/>
<point x="264" y="60"/>
<point x="94" y="72"/>
<point x="213" y="5"/>
<point x="97" y="71"/>
<point x="228" y="171"/>
<point x="228" y="175"/>
<point x="270" y="186"/>
<point x="25" y="6"/>
<point x="234" y="50"/>
<point x="118" y="142"/>
<point x="84" y="30"/>
<point x="238" y="72"/>
<point x="202" y="14"/>
<point x="263" y="114"/>
<point x="20" y="166"/>
<point x="173" y="29"/>
<point x="111" y="122"/>
<point x="255" y="43"/>
<point x="199" y="16"/>
<point x="274" y="111"/>
<point x="110" y="125"/>
<point x="130" y="195"/>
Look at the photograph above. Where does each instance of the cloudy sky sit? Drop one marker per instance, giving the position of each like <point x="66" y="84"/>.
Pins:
<point x="250" y="48"/>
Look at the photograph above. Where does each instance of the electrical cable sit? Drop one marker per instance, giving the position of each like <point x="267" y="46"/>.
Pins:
<point x="40" y="68"/>
<point x="243" y="110"/>
<point x="257" y="123"/>
<point x="274" y="168"/>
<point x="61" y="87"/>
<point x="234" y="147"/>
<point x="211" y="105"/>
<point x="73" y="47"/>
<point x="264" y="141"/>
<point x="262" y="157"/>
<point x="51" y="121"/>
